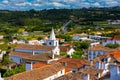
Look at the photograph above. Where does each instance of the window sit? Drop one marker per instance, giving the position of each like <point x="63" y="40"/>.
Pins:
<point x="56" y="44"/>
<point x="50" y="43"/>
<point x="61" y="72"/>
<point x="64" y="64"/>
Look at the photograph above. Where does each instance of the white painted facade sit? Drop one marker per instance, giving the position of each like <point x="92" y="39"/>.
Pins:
<point x="71" y="51"/>
<point x="94" y="44"/>
<point x="111" y="42"/>
<point x="114" y="72"/>
<point x="29" y="66"/>
<point x="94" y="53"/>
<point x="34" y="42"/>
<point x="95" y="37"/>
<point x="17" y="59"/>
<point x="85" y="77"/>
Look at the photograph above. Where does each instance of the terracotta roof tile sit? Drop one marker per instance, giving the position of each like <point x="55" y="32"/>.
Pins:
<point x="103" y="48"/>
<point x="67" y="70"/>
<point x="116" y="37"/>
<point x="115" y="54"/>
<point x="38" y="73"/>
<point x="42" y="57"/>
<point x="92" y="72"/>
<point x="74" y="63"/>
<point x="39" y="64"/>
<point x="20" y="54"/>
<point x="70" y="76"/>
<point x="64" y="49"/>
<point x="40" y="47"/>
<point x="34" y="47"/>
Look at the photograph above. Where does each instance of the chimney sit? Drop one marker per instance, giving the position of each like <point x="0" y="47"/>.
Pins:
<point x="33" y="53"/>
<point x="53" y="55"/>
<point x="85" y="77"/>
<point x="29" y="66"/>
<point x="91" y="63"/>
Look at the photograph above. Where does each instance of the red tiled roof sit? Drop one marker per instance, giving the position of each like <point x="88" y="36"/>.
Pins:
<point x="99" y="47"/>
<point x="70" y="76"/>
<point x="74" y="63"/>
<point x="64" y="49"/>
<point x="20" y="54"/>
<point x="42" y="57"/>
<point x="115" y="54"/>
<point x="60" y="39"/>
<point x="92" y="72"/>
<point x="39" y="64"/>
<point x="67" y="70"/>
<point x="67" y="44"/>
<point x="34" y="47"/>
<point x="116" y="37"/>
<point x="38" y="73"/>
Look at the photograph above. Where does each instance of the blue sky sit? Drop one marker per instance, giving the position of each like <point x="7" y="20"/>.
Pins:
<point x="48" y="4"/>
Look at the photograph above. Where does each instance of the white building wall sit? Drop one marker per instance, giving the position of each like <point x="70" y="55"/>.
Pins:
<point x="111" y="42"/>
<point x="56" y="50"/>
<point x="52" y="43"/>
<point x="16" y="59"/>
<point x="28" y="66"/>
<point x="114" y="73"/>
<point x="86" y="77"/>
<point x="71" y="51"/>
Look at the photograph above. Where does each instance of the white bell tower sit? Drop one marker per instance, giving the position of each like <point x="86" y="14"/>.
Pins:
<point x="52" y="40"/>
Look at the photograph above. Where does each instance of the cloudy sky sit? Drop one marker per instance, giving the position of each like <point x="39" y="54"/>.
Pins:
<point x="48" y="4"/>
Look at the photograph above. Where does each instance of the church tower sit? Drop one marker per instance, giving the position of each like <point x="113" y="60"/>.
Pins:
<point x="52" y="40"/>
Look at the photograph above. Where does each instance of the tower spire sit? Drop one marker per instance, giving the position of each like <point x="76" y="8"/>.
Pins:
<point x="52" y="35"/>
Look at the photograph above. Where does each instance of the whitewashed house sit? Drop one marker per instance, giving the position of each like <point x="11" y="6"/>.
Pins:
<point x="109" y="63"/>
<point x="80" y="37"/>
<point x="97" y="50"/>
<point x="96" y="37"/>
<point x="91" y="74"/>
<point x="115" y="40"/>
<point x="114" y="72"/>
<point x="48" y="72"/>
<point x="34" y="42"/>
<point x="27" y="49"/>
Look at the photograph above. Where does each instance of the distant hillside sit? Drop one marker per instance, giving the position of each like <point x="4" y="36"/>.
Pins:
<point x="44" y="19"/>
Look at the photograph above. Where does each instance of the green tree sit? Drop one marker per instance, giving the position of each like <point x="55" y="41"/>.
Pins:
<point x="77" y="54"/>
<point x="112" y="46"/>
<point x="6" y="61"/>
<point x="11" y="72"/>
<point x="80" y="45"/>
<point x="63" y="54"/>
<point x="65" y="36"/>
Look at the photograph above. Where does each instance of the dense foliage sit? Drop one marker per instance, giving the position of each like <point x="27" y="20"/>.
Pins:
<point x="11" y="21"/>
<point x="112" y="46"/>
<point x="18" y="69"/>
<point x="78" y="54"/>
<point x="65" y="36"/>
<point x="5" y="60"/>
<point x="80" y="45"/>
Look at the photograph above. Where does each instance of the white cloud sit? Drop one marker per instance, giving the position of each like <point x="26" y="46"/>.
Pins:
<point x="42" y="4"/>
<point x="5" y="1"/>
<point x="24" y="4"/>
